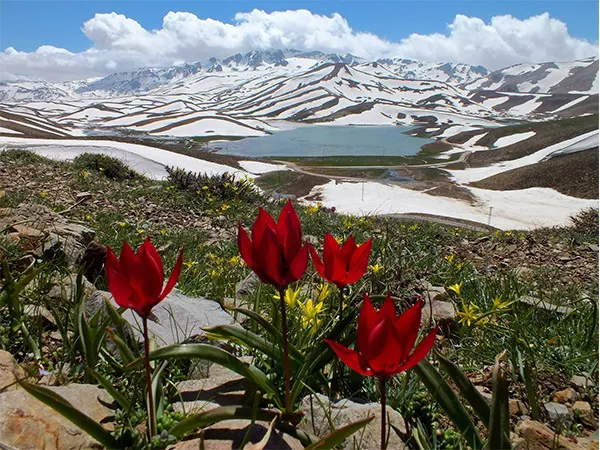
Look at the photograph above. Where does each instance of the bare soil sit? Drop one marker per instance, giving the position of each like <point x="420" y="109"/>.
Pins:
<point x="574" y="174"/>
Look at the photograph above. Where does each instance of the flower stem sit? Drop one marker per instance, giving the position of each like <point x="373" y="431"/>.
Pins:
<point x="383" y="412"/>
<point x="151" y="419"/>
<point x="341" y="307"/>
<point x="286" y="354"/>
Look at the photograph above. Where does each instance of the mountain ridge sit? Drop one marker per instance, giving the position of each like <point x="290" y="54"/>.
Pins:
<point x="552" y="77"/>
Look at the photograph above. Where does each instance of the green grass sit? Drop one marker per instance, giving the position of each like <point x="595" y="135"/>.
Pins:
<point x="348" y="161"/>
<point x="204" y="139"/>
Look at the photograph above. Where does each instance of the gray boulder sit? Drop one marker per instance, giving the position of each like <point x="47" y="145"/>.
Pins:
<point x="174" y="320"/>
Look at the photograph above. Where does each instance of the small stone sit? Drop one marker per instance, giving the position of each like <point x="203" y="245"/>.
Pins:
<point x="581" y="381"/>
<point x="516" y="407"/>
<point x="585" y="412"/>
<point x="568" y="395"/>
<point x="539" y="437"/>
<point x="559" y="414"/>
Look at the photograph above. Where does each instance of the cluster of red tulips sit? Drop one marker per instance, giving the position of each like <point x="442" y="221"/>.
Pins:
<point x="276" y="253"/>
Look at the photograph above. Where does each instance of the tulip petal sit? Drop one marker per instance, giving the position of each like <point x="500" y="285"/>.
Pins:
<point x="127" y="259"/>
<point x="388" y="310"/>
<point x="173" y="278"/>
<point x="112" y="262"/>
<point x="143" y="274"/>
<point x="245" y="246"/>
<point x="359" y="262"/>
<point x="119" y="288"/>
<point x="289" y="232"/>
<point x="298" y="264"/>
<point x="407" y="325"/>
<point x="269" y="260"/>
<point x="153" y="253"/>
<point x="320" y="268"/>
<point x="262" y="222"/>
<point x="348" y="248"/>
<point x="330" y="249"/>
<point x="349" y="357"/>
<point x="420" y="352"/>
<point x="384" y="348"/>
<point x="367" y="320"/>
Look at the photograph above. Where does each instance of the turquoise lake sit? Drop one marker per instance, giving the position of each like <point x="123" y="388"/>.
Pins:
<point x="323" y="140"/>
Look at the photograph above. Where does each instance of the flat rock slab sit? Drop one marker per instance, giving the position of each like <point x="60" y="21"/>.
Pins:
<point x="28" y="424"/>
<point x="317" y="408"/>
<point x="9" y="371"/>
<point x="175" y="319"/>
<point x="229" y="434"/>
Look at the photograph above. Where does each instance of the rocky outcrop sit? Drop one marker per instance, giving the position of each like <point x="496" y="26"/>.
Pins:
<point x="45" y="234"/>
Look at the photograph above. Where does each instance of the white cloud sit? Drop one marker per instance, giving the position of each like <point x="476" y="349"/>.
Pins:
<point x="121" y="43"/>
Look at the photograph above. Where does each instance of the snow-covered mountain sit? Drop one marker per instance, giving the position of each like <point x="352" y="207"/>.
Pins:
<point x="552" y="77"/>
<point x="577" y="76"/>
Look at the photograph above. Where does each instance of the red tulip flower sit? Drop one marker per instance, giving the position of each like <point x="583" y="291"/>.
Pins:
<point x="342" y="265"/>
<point x="385" y="345"/>
<point x="136" y="279"/>
<point x="276" y="252"/>
<point x="385" y="342"/>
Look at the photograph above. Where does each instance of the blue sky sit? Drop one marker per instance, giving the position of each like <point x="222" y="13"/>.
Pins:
<point x="25" y="25"/>
<point x="65" y="40"/>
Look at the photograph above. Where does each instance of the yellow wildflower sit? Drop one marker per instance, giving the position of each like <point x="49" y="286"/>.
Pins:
<point x="44" y="194"/>
<point x="123" y="224"/>
<point x="339" y="240"/>
<point x="455" y="288"/>
<point x="140" y="230"/>
<point x="449" y="258"/>
<point x="214" y="273"/>
<point x="309" y="313"/>
<point x="84" y="173"/>
<point x="376" y="268"/>
<point x="469" y="315"/>
<point x="190" y="264"/>
<point x="498" y="303"/>
<point x="205" y="188"/>
<point x="225" y="207"/>
<point x="88" y="217"/>
<point x="290" y="297"/>
<point x="234" y="260"/>
<point x="163" y="232"/>
<point x="323" y="291"/>
<point x="460" y="265"/>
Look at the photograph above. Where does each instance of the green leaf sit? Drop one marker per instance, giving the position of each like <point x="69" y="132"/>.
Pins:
<point x="338" y="436"/>
<point x="126" y="355"/>
<point x="221" y="357"/>
<point x="447" y="399"/>
<point x="219" y="414"/>
<point x="499" y="424"/>
<point x="530" y="388"/>
<point x="63" y="407"/>
<point x="247" y="339"/>
<point x="112" y="391"/>
<point x="467" y="389"/>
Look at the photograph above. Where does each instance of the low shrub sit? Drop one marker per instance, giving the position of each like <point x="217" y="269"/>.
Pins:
<point x="112" y="168"/>
<point x="223" y="187"/>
